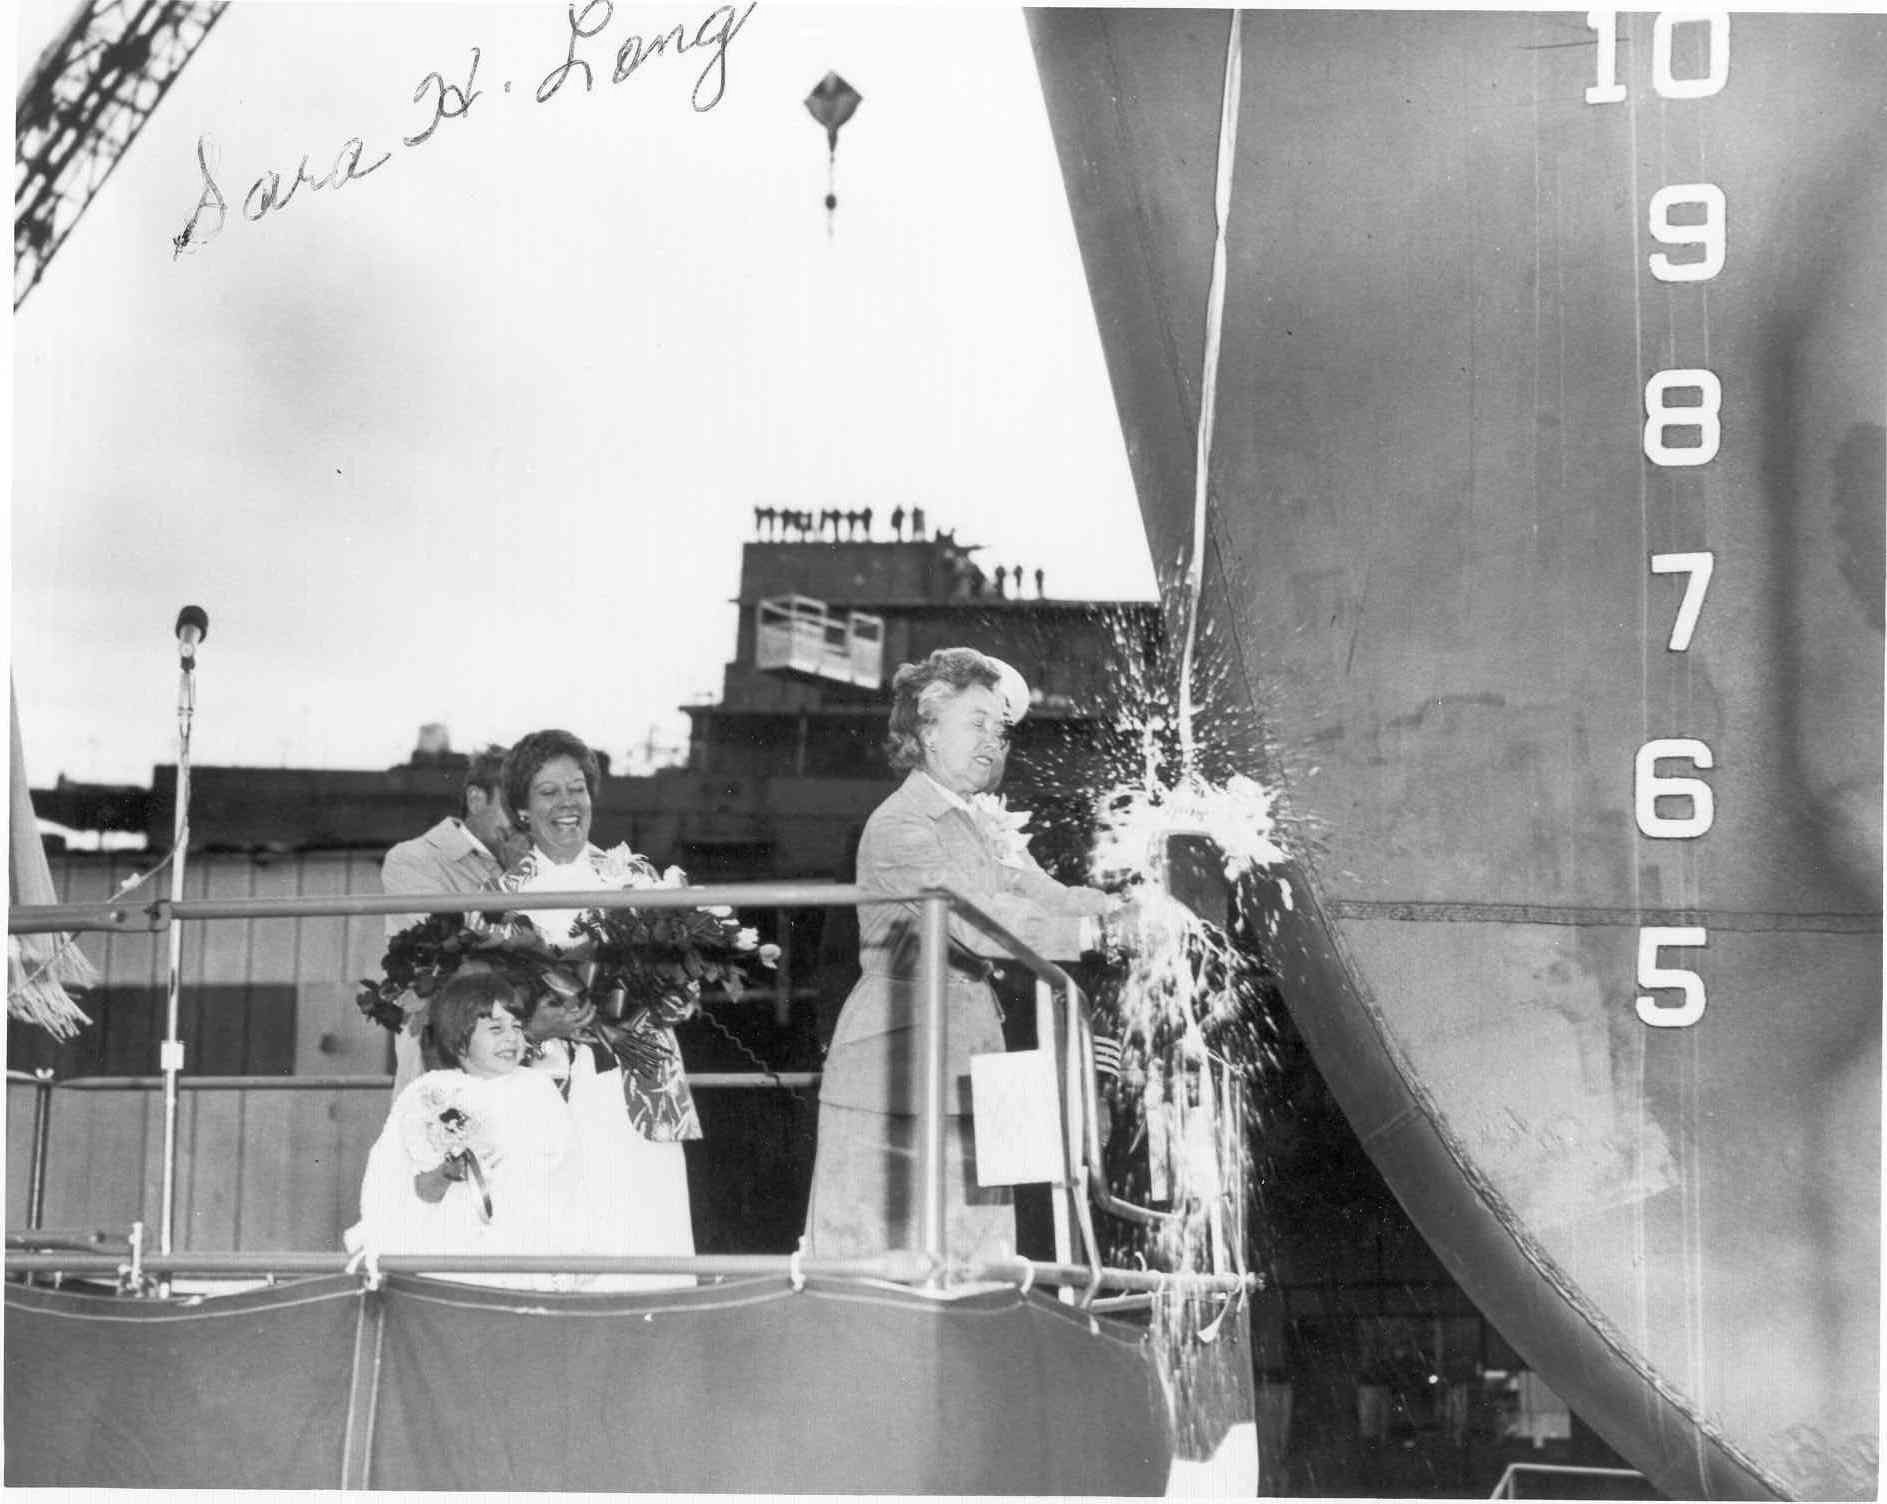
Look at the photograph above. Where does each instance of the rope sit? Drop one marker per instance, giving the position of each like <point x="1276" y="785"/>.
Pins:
<point x="1209" y="384"/>
<point x="740" y="1044"/>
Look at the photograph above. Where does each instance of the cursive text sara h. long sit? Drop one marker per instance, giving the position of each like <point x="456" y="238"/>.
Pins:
<point x="587" y="57"/>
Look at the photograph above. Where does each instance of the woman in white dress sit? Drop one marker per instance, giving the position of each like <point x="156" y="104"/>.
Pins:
<point x="631" y="1125"/>
<point x="477" y="1157"/>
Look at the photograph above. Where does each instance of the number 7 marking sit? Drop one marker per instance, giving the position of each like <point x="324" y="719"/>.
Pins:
<point x="1697" y="567"/>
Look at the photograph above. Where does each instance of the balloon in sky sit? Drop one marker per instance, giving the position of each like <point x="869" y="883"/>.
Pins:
<point x="832" y="103"/>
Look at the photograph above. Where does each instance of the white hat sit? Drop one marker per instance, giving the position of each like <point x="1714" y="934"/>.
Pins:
<point x="1013" y="688"/>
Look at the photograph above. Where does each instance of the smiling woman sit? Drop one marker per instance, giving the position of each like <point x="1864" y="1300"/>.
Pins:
<point x="632" y="1121"/>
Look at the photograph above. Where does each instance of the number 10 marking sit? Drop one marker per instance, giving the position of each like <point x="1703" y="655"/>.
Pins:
<point x="1608" y="90"/>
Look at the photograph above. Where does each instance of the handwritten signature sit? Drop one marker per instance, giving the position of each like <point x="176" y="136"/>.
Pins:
<point x="454" y="101"/>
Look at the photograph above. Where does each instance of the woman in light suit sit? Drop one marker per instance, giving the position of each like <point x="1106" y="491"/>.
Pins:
<point x="950" y="725"/>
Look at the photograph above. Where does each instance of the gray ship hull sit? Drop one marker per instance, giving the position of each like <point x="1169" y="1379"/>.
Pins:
<point x="1455" y="514"/>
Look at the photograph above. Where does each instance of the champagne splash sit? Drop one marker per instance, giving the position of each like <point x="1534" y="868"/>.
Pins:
<point x="1188" y="1015"/>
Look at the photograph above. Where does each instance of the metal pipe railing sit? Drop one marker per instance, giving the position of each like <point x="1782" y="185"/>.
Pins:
<point x="935" y="906"/>
<point x="41" y="919"/>
<point x="933" y="952"/>
<point x="897" y="1265"/>
<point x="88" y="1239"/>
<point x="42" y="1133"/>
<point x="1095" y="1276"/>
<point x="711" y="1080"/>
<point x="904" y="1266"/>
<point x="1505" y="1488"/>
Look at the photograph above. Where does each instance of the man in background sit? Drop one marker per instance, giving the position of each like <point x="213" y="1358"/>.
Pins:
<point x="461" y="854"/>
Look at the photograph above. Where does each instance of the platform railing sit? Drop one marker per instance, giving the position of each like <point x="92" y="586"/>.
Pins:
<point x="1065" y="1029"/>
<point x="1509" y="1483"/>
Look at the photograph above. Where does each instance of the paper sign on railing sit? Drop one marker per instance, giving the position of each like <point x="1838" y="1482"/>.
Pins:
<point x="1018" y="1121"/>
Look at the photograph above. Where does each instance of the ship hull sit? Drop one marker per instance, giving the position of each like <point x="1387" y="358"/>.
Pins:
<point x="1446" y="493"/>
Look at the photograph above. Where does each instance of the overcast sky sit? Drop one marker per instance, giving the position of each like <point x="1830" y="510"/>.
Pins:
<point x="476" y="437"/>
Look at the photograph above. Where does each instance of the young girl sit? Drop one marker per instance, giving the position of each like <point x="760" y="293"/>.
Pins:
<point x="477" y="1157"/>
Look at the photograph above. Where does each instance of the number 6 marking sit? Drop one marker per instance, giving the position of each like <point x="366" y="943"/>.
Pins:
<point x="1696" y="568"/>
<point x="1701" y="415"/>
<point x="1674" y="1015"/>
<point x="1649" y="786"/>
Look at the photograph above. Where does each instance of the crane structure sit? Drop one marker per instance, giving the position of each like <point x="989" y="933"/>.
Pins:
<point x="84" y="103"/>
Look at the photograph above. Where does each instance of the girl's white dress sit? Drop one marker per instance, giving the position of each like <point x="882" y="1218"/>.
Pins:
<point x="634" y="1192"/>
<point x="521" y="1130"/>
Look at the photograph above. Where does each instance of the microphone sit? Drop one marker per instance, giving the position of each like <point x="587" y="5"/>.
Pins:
<point x="193" y="625"/>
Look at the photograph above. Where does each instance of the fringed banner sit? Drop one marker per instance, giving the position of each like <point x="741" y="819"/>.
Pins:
<point x="39" y="967"/>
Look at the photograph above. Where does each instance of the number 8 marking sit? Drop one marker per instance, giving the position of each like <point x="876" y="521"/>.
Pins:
<point x="1701" y="416"/>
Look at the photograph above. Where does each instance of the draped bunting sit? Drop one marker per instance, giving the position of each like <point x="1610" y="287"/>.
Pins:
<point x="746" y="1387"/>
<point x="39" y="967"/>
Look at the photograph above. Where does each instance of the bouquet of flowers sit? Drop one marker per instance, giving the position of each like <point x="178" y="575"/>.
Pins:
<point x="438" y="1126"/>
<point x="420" y="959"/>
<point x="659" y="960"/>
<point x="441" y="1132"/>
<point x="644" y="969"/>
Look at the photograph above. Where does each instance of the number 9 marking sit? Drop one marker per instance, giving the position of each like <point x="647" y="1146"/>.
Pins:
<point x="1709" y="234"/>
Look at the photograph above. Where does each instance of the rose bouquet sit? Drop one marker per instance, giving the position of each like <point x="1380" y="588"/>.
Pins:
<point x="442" y="1133"/>
<point x="645" y="970"/>
<point x="659" y="960"/>
<point x="437" y="1125"/>
<point x="423" y="957"/>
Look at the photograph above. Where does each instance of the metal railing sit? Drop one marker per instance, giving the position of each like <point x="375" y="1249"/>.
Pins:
<point x="44" y="1085"/>
<point x="1509" y="1480"/>
<point x="1066" y="1030"/>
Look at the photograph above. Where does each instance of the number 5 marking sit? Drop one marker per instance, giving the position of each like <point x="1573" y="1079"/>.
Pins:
<point x="1696" y="569"/>
<point x="1682" y="1015"/>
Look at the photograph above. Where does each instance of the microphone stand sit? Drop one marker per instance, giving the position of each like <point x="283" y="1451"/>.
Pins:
<point x="170" y="1059"/>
